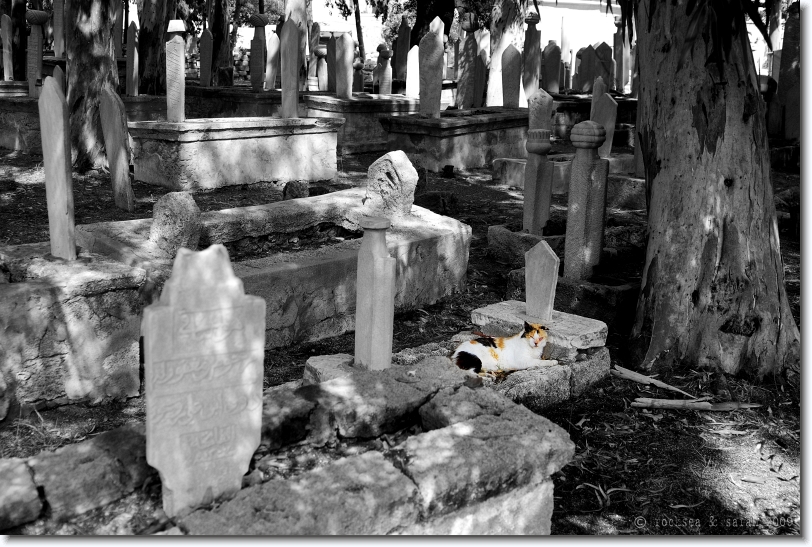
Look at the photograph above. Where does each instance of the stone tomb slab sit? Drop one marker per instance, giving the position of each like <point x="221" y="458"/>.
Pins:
<point x="204" y="347"/>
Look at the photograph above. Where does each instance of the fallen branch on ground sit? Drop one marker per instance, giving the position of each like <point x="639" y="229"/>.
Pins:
<point x="645" y="402"/>
<point x="627" y="374"/>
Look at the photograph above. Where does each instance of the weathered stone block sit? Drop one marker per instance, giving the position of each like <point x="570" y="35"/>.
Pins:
<point x="285" y="418"/>
<point x="508" y="172"/>
<point x="19" y="501"/>
<point x="592" y="369"/>
<point x="175" y="223"/>
<point x="511" y="247"/>
<point x="322" y="368"/>
<point x="391" y="182"/>
<point x="537" y="387"/>
<point x="453" y="405"/>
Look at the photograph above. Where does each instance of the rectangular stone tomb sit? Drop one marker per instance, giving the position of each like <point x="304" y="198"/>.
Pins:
<point x="462" y="138"/>
<point x="310" y="294"/>
<point x="361" y="132"/>
<point x="215" y="152"/>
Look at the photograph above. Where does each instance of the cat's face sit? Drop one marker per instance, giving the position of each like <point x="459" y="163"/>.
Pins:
<point x="535" y="334"/>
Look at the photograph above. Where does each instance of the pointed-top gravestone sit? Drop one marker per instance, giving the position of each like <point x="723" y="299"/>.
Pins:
<point x="131" y="77"/>
<point x="552" y="67"/>
<point x="204" y="344"/>
<point x="118" y="28"/>
<point x="315" y="33"/>
<point x="511" y="76"/>
<point x="481" y="66"/>
<point x="431" y="69"/>
<point x="357" y="77"/>
<point x="206" y="51"/>
<point x="321" y="68"/>
<point x="5" y="37"/>
<point x="402" y="52"/>
<point x="605" y="113"/>
<point x="175" y="80"/>
<point x="413" y="73"/>
<point x="540" y="110"/>
<point x="541" y="278"/>
<point x="620" y="52"/>
<point x="331" y="63"/>
<point x="465" y="82"/>
<point x="345" y="53"/>
<point x="59" y="78"/>
<point x="531" y="56"/>
<point x="603" y="54"/>
<point x="272" y="46"/>
<point x="587" y="69"/>
<point x="59" y="28"/>
<point x="385" y="74"/>
<point x="290" y="70"/>
<point x="257" y="59"/>
<point x="598" y="89"/>
<point x="53" y="115"/>
<point x="113" y="119"/>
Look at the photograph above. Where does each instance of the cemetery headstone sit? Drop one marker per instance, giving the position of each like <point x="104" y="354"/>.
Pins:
<point x="603" y="54"/>
<point x="331" y="63"/>
<point x="59" y="28"/>
<point x="552" y="67"/>
<point x="586" y="207"/>
<point x="431" y="69"/>
<point x="53" y="114"/>
<point x="538" y="172"/>
<point x="118" y="28"/>
<point x="531" y="56"/>
<point x="587" y="69"/>
<point x="175" y="224"/>
<point x="315" y="33"/>
<point x="465" y="82"/>
<point x="391" y="183"/>
<point x="456" y="73"/>
<point x="606" y="115"/>
<point x="621" y="55"/>
<point x="481" y="67"/>
<point x="5" y="36"/>
<point x="206" y="52"/>
<point x="598" y="90"/>
<point x="413" y="73"/>
<point x="345" y="52"/>
<point x="131" y="82"/>
<point x="175" y="80"/>
<point x="402" y="51"/>
<point x="385" y="73"/>
<point x="257" y="60"/>
<point x="290" y="70"/>
<point x="114" y="129"/>
<point x="59" y="78"/>
<point x="34" y="55"/>
<point x="511" y="76"/>
<point x="272" y="46"/>
<point x="321" y="69"/>
<point x="357" y="77"/>
<point x="203" y="352"/>
<point x="540" y="280"/>
<point x="375" y="298"/>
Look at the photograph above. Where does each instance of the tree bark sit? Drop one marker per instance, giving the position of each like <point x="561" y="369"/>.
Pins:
<point x="154" y="19"/>
<point x="712" y="290"/>
<point x="425" y="13"/>
<point x="221" y="52"/>
<point x="91" y="63"/>
<point x="358" y="30"/>
<point x="507" y="27"/>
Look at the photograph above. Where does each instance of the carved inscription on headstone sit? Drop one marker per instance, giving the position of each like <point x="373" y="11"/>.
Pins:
<point x="175" y="80"/>
<point x="203" y="351"/>
<point x="34" y="59"/>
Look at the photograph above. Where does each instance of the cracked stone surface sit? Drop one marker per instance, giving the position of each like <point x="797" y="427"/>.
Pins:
<point x="19" y="501"/>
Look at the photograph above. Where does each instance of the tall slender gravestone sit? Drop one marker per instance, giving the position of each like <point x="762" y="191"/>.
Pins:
<point x="34" y="55"/>
<point x="465" y="81"/>
<point x="375" y="298"/>
<point x="272" y="46"/>
<point x="603" y="53"/>
<point x="203" y="351"/>
<point x="540" y="280"/>
<point x="257" y="61"/>
<point x="385" y="73"/>
<point x="315" y="34"/>
<point x="538" y="172"/>
<point x="357" y="77"/>
<point x="206" y="52"/>
<point x="114" y="128"/>
<point x="586" y="208"/>
<point x="402" y="52"/>
<point x="552" y="68"/>
<point x="321" y="68"/>
<point x="531" y="56"/>
<point x="413" y="73"/>
<point x="175" y="80"/>
<point x="5" y="36"/>
<point x="481" y="67"/>
<point x="131" y="78"/>
<point x="431" y="69"/>
<point x="331" y="63"/>
<point x="59" y="78"/>
<point x="290" y="70"/>
<point x="621" y="55"/>
<point x="345" y="54"/>
<point x="511" y="76"/>
<point x="587" y="69"/>
<point x="598" y="89"/>
<point x="605" y="113"/>
<point x="59" y="28"/>
<point x="118" y="27"/>
<point x="53" y="115"/>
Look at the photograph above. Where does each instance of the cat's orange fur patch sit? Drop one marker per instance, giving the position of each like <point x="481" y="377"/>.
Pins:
<point x="500" y="342"/>
<point x="494" y="354"/>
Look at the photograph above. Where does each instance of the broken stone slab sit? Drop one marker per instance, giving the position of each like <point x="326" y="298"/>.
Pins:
<point x="567" y="333"/>
<point x="359" y="495"/>
<point x="391" y="182"/>
<point x="537" y="387"/>
<point x="285" y="417"/>
<point x="511" y="247"/>
<point x="590" y="367"/>
<point x="19" y="500"/>
<point x="453" y="405"/>
<point x="323" y="368"/>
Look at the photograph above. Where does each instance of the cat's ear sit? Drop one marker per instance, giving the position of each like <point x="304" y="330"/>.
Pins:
<point x="527" y="327"/>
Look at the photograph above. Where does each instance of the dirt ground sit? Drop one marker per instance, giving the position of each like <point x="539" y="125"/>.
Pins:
<point x="635" y="471"/>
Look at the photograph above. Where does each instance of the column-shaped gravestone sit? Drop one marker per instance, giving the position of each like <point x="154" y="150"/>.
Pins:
<point x="345" y="53"/>
<point x="465" y="80"/>
<point x="385" y="73"/>
<point x="206" y="51"/>
<point x="605" y="113"/>
<point x="586" y="208"/>
<point x="5" y="36"/>
<point x="413" y="73"/>
<point x="321" y="68"/>
<point x="59" y="28"/>
<point x="257" y="61"/>
<point x="175" y="80"/>
<point x="118" y="27"/>
<point x="331" y="63"/>
<point x="315" y="33"/>
<point x="511" y="76"/>
<point x="540" y="280"/>
<point x="481" y="67"/>
<point x="531" y="56"/>
<point x="552" y="67"/>
<point x="204" y="344"/>
<point x="290" y="70"/>
<point x="375" y="299"/>
<point x="621" y="55"/>
<point x="114" y="129"/>
<point x="59" y="78"/>
<point x="357" y="77"/>
<point x="431" y="69"/>
<point x="131" y="81"/>
<point x="538" y="172"/>
<point x="598" y="89"/>
<point x="34" y="59"/>
<point x="53" y="115"/>
<point x="402" y="52"/>
<point x="376" y="72"/>
<point x="272" y="46"/>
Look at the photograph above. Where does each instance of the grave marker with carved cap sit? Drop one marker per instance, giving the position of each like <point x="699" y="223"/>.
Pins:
<point x="511" y="76"/>
<point x="290" y="70"/>
<point x="331" y="63"/>
<point x="375" y="300"/>
<point x="131" y="81"/>
<point x="413" y="73"/>
<point x="53" y="114"/>
<point x="321" y="68"/>
<point x="552" y="67"/>
<point x="257" y="59"/>
<point x="598" y="89"/>
<point x="402" y="52"/>
<point x="538" y="183"/>
<point x="175" y="80"/>
<point x="540" y="280"/>
<point x="385" y="73"/>
<point x="605" y="113"/>
<point x="113" y="119"/>
<point x="586" y="207"/>
<point x="345" y="54"/>
<point x="118" y="28"/>
<point x="5" y="36"/>
<point x="431" y="69"/>
<point x="357" y="77"/>
<point x="204" y="344"/>
<point x="531" y="56"/>
<point x="59" y="78"/>
<point x="272" y="46"/>
<point x="34" y="60"/>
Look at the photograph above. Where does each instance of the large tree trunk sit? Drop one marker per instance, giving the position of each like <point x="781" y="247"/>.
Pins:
<point x="221" y="50"/>
<point x="507" y="27"/>
<point x="91" y="63"/>
<point x="713" y="285"/>
<point x="359" y="31"/>
<point x="154" y="19"/>
<point x="425" y="13"/>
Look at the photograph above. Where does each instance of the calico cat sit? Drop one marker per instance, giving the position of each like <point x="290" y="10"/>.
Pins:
<point x="517" y="352"/>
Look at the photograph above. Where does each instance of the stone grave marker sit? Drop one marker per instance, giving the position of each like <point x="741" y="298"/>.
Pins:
<point x="357" y="77"/>
<point x="131" y="81"/>
<point x="53" y="114"/>
<point x="34" y="54"/>
<point x="540" y="280"/>
<point x="587" y="69"/>
<point x="59" y="28"/>
<point x="481" y="67"/>
<point x="402" y="51"/>
<point x="5" y="36"/>
<point x="272" y="46"/>
<point x="606" y="114"/>
<point x="113" y="118"/>
<point x="413" y="73"/>
<point x="290" y="70"/>
<point x="621" y="55"/>
<point x="538" y="172"/>
<point x="321" y="67"/>
<point x="175" y="80"/>
<point x="331" y="63"/>
<point x="206" y="51"/>
<point x="345" y="54"/>
<point x="586" y="207"/>
<point x="257" y="60"/>
<point x="375" y="298"/>
<point x="598" y="89"/>
<point x="204" y="343"/>
<point x="385" y="73"/>
<point x="431" y="69"/>
<point x="118" y="28"/>
<point x="315" y="33"/>
<point x="552" y="67"/>
<point x="59" y="78"/>
<point x="465" y="83"/>
<point x="603" y="54"/>
<point x="531" y="56"/>
<point x="511" y="76"/>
